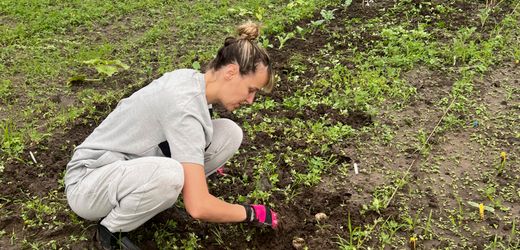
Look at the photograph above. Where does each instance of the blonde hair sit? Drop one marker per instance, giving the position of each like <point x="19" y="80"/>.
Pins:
<point x="246" y="52"/>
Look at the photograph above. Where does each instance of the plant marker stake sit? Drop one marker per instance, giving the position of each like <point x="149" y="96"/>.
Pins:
<point x="413" y="241"/>
<point x="220" y="171"/>
<point x="356" y="170"/>
<point x="32" y="157"/>
<point x="503" y="155"/>
<point x="481" y="210"/>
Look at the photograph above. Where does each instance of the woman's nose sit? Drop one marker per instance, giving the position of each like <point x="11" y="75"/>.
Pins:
<point x="251" y="98"/>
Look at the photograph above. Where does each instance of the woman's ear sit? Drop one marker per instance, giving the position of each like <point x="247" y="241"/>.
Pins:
<point x="231" y="70"/>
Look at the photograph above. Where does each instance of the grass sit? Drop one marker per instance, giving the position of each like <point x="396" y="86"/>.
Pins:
<point x="421" y="82"/>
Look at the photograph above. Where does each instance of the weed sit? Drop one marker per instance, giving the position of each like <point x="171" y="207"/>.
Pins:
<point x="192" y="242"/>
<point x="463" y="47"/>
<point x="355" y="237"/>
<point x="514" y="239"/>
<point x="282" y="39"/>
<point x="315" y="167"/>
<point x="35" y="211"/>
<point x="422" y="146"/>
<point x="5" y="90"/>
<point x="380" y="199"/>
<point x="12" y="141"/>
<point x="107" y="67"/>
<point x="388" y="230"/>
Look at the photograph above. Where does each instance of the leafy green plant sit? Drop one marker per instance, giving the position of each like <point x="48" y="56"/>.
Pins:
<point x="423" y="146"/>
<point x="315" y="167"/>
<point x="5" y="90"/>
<point x="107" y="67"/>
<point x="427" y="233"/>
<point x="388" y="230"/>
<point x="463" y="47"/>
<point x="355" y="239"/>
<point x="484" y="15"/>
<point x="482" y="208"/>
<point x="380" y="198"/>
<point x="282" y="39"/>
<point x="12" y="141"/>
<point x="35" y="212"/>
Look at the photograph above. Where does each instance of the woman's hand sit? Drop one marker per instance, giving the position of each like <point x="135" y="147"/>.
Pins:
<point x="262" y="215"/>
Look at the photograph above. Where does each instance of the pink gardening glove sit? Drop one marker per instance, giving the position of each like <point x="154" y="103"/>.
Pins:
<point x="262" y="215"/>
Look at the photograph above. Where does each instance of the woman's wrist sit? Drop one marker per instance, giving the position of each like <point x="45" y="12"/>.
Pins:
<point x="250" y="213"/>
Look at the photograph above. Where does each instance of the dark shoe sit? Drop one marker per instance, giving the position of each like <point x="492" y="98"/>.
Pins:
<point x="107" y="240"/>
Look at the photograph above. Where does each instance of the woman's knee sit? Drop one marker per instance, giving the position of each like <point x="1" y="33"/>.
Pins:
<point x="168" y="181"/>
<point x="231" y="131"/>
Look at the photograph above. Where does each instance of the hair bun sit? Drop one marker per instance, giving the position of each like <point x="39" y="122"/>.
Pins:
<point x="229" y="40"/>
<point x="248" y="31"/>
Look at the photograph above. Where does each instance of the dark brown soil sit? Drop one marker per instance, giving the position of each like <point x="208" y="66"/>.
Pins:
<point x="336" y="196"/>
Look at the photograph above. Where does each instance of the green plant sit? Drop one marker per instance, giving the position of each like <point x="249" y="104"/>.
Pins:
<point x="12" y="141"/>
<point x="484" y="15"/>
<point x="514" y="239"/>
<point x="35" y="212"/>
<point x="427" y="233"/>
<point x="481" y="208"/>
<point x="463" y="48"/>
<point x="107" y="67"/>
<point x="388" y="230"/>
<point x="328" y="15"/>
<point x="192" y="242"/>
<point x="5" y="90"/>
<point x="355" y="237"/>
<point x="315" y="167"/>
<point x="282" y="39"/>
<point x="423" y="146"/>
<point x="380" y="198"/>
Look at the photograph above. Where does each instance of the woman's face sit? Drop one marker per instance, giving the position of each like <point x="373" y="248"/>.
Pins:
<point x="241" y="89"/>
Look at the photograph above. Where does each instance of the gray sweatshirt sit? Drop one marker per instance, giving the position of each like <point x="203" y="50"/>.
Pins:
<point x="171" y="109"/>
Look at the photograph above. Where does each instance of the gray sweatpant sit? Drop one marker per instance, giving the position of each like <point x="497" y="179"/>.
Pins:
<point x="126" y="194"/>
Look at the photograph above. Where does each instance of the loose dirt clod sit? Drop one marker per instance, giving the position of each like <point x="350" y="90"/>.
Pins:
<point x="298" y="243"/>
<point x="321" y="217"/>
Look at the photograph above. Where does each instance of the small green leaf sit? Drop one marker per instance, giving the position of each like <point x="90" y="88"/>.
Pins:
<point x="195" y="65"/>
<point x="120" y="64"/>
<point x="106" y="69"/>
<point x="473" y="204"/>
<point x="77" y="79"/>
<point x="477" y="205"/>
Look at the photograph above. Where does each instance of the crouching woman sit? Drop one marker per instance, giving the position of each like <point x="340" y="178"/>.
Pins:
<point x="161" y="142"/>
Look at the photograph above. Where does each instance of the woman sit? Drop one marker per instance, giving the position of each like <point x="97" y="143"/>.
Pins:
<point x="161" y="142"/>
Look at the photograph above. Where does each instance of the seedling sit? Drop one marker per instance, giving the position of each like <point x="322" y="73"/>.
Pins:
<point x="355" y="239"/>
<point x="11" y="141"/>
<point x="481" y="207"/>
<point x="106" y="67"/>
<point x="428" y="232"/>
<point x="283" y="38"/>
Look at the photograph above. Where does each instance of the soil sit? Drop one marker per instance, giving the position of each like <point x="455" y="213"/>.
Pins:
<point x="339" y="196"/>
